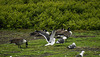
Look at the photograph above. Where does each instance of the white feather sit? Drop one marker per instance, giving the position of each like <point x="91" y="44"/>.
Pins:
<point x="57" y="42"/>
<point x="24" y="41"/>
<point x="64" y="37"/>
<point x="70" y="32"/>
<point x="10" y="56"/>
<point x="48" y="33"/>
<point x="82" y="53"/>
<point x="44" y="37"/>
<point x="65" y="30"/>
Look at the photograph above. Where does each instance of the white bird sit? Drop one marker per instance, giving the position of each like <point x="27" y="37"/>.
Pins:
<point x="81" y="54"/>
<point x="62" y="39"/>
<point x="50" y="39"/>
<point x="72" y="46"/>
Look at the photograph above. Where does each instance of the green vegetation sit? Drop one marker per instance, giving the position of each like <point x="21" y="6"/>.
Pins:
<point x="50" y="14"/>
<point x="90" y="43"/>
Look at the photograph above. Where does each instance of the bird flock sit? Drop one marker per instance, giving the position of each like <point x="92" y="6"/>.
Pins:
<point x="61" y="34"/>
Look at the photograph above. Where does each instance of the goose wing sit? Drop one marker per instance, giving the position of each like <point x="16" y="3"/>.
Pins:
<point x="67" y="33"/>
<point x="59" y="32"/>
<point x="45" y="35"/>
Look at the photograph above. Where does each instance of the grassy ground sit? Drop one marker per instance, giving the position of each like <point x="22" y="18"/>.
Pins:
<point x="89" y="41"/>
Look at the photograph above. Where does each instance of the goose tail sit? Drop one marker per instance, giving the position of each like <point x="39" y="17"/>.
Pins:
<point x="26" y="44"/>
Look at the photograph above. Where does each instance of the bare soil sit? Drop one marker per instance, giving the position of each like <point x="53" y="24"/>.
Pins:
<point x="82" y="36"/>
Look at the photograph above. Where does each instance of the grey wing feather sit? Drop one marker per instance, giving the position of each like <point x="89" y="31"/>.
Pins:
<point x="52" y="35"/>
<point x="46" y="36"/>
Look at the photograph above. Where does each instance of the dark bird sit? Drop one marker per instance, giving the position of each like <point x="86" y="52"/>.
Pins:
<point x="19" y="42"/>
<point x="50" y="39"/>
<point x="72" y="46"/>
<point x="64" y="32"/>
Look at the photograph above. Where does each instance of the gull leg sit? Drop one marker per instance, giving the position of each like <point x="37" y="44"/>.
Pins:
<point x="48" y="44"/>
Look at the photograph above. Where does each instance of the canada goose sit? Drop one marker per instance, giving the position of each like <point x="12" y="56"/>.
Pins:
<point x="64" y="32"/>
<point x="72" y="46"/>
<point x="50" y="39"/>
<point x="81" y="54"/>
<point x="19" y="42"/>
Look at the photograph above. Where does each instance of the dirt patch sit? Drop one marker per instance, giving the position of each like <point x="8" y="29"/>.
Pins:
<point x="91" y="49"/>
<point x="46" y="54"/>
<point x="42" y="55"/>
<point x="87" y="49"/>
<point x="14" y="52"/>
<point x="82" y="36"/>
<point x="5" y="36"/>
<point x="4" y="55"/>
<point x="29" y="56"/>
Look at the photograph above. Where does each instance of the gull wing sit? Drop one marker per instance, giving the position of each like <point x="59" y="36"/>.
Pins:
<point x="45" y="35"/>
<point x="52" y="35"/>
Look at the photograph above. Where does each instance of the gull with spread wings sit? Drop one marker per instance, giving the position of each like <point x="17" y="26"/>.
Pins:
<point x="50" y="39"/>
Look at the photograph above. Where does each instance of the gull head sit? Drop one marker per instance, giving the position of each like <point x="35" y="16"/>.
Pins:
<point x="73" y="44"/>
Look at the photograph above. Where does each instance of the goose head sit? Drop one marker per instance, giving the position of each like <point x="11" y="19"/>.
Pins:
<point x="69" y="29"/>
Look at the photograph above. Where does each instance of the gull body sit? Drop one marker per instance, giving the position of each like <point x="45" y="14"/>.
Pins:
<point x="81" y="54"/>
<point x="72" y="46"/>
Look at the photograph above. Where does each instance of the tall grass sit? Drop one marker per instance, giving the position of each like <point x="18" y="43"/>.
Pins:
<point x="37" y="48"/>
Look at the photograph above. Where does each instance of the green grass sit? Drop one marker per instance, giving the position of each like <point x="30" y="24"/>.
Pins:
<point x="36" y="48"/>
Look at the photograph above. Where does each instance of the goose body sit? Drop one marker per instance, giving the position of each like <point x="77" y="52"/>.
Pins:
<point x="50" y="39"/>
<point x="64" y="32"/>
<point x="19" y="42"/>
